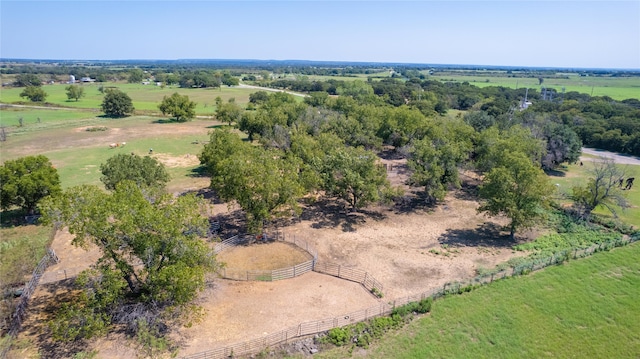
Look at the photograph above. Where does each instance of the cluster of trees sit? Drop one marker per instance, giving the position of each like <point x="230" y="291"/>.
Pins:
<point x="267" y="182"/>
<point x="330" y="143"/>
<point x="511" y="147"/>
<point x="599" y="122"/>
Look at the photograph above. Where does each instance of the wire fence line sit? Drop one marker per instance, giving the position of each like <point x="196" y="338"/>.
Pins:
<point x="21" y="308"/>
<point x="349" y="273"/>
<point x="318" y="326"/>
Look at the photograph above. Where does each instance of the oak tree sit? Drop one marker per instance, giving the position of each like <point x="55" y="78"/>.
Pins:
<point x="117" y="103"/>
<point x="27" y="180"/>
<point x="517" y="189"/>
<point x="34" y="93"/>
<point x="74" y="92"/>
<point x="143" y="171"/>
<point x="152" y="264"/>
<point x="178" y="106"/>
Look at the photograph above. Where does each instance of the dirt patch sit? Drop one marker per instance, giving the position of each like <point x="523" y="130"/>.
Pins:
<point x="187" y="160"/>
<point x="267" y="256"/>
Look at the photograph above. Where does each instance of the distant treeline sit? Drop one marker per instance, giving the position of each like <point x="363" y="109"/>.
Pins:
<point x="600" y="122"/>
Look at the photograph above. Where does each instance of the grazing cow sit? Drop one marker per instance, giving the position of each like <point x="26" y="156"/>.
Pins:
<point x="629" y="182"/>
<point x="113" y="145"/>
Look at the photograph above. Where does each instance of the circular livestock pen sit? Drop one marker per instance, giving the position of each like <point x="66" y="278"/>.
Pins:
<point x="265" y="257"/>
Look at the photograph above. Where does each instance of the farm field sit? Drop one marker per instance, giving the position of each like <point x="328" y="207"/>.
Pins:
<point x="581" y="309"/>
<point x="144" y="97"/>
<point x="618" y="88"/>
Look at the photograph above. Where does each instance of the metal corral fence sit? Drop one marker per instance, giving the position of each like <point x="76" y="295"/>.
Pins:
<point x="267" y="275"/>
<point x="349" y="273"/>
<point x="29" y="287"/>
<point x="319" y="326"/>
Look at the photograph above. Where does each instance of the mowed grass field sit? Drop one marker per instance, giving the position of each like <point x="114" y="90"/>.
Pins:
<point x="588" y="308"/>
<point x="618" y="88"/>
<point x="576" y="175"/>
<point x="144" y="97"/>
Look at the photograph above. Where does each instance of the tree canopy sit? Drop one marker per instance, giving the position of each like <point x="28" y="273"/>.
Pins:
<point x="117" y="103"/>
<point x="517" y="189"/>
<point x="34" y="93"/>
<point x="143" y="171"/>
<point x="152" y="262"/>
<point x="263" y="182"/>
<point x="27" y="79"/>
<point x="74" y="92"/>
<point x="26" y="181"/>
<point x="178" y="106"/>
<point x="354" y="175"/>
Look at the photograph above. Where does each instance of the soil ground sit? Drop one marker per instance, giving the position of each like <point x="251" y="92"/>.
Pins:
<point x="410" y="247"/>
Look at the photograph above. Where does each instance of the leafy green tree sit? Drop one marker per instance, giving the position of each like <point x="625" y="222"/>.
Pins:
<point x="26" y="181"/>
<point x="258" y="97"/>
<point x="153" y="261"/>
<point x="602" y="189"/>
<point x="117" y="103"/>
<point x="493" y="144"/>
<point x="136" y="75"/>
<point x="229" y="112"/>
<point x="24" y="80"/>
<point x="354" y="175"/>
<point x="143" y="171"/>
<point x="263" y="182"/>
<point x="479" y="120"/>
<point x="229" y="80"/>
<point x="222" y="145"/>
<point x="178" y="106"/>
<point x="517" y="189"/>
<point x="562" y="145"/>
<point x="74" y="92"/>
<point x="34" y="93"/>
<point x="435" y="158"/>
<point x="254" y="123"/>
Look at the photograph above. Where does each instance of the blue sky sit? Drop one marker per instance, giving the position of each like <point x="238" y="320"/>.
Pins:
<point x="591" y="34"/>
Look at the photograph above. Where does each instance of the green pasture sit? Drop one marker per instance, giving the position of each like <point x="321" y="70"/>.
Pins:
<point x="574" y="175"/>
<point x="586" y="308"/>
<point x="85" y="169"/>
<point x="144" y="97"/>
<point x="618" y="88"/>
<point x="38" y="119"/>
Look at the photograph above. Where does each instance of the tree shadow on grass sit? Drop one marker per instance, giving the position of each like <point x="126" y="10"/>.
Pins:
<point x="555" y="173"/>
<point x="164" y="121"/>
<point x="219" y="126"/>
<point x="487" y="234"/>
<point x="198" y="172"/>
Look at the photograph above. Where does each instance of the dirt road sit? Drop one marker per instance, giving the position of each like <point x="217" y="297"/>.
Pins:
<point x="622" y="159"/>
